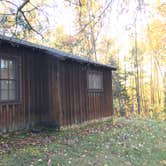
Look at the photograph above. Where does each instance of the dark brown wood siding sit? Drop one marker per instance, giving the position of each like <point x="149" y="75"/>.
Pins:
<point x="79" y="104"/>
<point x="53" y="91"/>
<point x="51" y="104"/>
<point x="25" y="112"/>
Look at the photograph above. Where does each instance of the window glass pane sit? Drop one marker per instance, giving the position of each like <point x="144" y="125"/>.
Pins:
<point x="4" y="69"/>
<point x="4" y="94"/>
<point x="4" y="64"/>
<point x="12" y="74"/>
<point x="11" y="64"/>
<point x="4" y="85"/>
<point x="98" y="82"/>
<point x="12" y="85"/>
<point x="95" y="81"/>
<point x="8" y="79"/>
<point x="4" y="73"/>
<point x="12" y="95"/>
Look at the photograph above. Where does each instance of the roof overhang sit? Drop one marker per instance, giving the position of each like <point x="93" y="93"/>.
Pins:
<point x="51" y="51"/>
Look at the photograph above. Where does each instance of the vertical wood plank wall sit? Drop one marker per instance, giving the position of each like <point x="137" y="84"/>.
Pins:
<point x="79" y="104"/>
<point x="25" y="112"/>
<point x="53" y="91"/>
<point x="50" y="109"/>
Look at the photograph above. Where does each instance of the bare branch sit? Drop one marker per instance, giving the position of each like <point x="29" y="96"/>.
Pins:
<point x="20" y="15"/>
<point x="9" y="2"/>
<point x="99" y="17"/>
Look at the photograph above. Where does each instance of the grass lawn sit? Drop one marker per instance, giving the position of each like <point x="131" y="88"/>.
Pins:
<point x="103" y="143"/>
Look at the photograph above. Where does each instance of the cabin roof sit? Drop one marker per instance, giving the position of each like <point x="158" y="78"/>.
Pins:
<point x="51" y="51"/>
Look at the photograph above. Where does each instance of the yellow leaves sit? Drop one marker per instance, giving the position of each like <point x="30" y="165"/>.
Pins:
<point x="156" y="35"/>
<point x="162" y="9"/>
<point x="83" y="2"/>
<point x="93" y="4"/>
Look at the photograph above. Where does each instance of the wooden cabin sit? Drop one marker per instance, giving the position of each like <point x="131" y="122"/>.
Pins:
<point x="41" y="85"/>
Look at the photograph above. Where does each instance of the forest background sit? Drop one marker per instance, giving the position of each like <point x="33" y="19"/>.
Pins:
<point x="128" y="34"/>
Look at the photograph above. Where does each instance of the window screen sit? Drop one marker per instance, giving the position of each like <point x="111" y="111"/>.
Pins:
<point x="8" y="79"/>
<point x="95" y="81"/>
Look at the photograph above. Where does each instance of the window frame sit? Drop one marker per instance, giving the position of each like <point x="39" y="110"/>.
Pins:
<point x="17" y="79"/>
<point x="102" y="81"/>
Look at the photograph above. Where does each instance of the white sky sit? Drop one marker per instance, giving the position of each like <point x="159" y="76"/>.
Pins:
<point x="115" y="27"/>
<point x="61" y="15"/>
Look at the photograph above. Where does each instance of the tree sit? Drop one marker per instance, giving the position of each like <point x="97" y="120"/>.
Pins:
<point x="22" y="18"/>
<point x="89" y="22"/>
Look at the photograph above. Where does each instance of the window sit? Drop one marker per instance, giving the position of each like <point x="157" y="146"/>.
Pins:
<point x="95" y="80"/>
<point x="8" y="79"/>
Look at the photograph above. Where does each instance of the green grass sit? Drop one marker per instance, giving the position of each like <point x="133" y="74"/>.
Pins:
<point x="122" y="142"/>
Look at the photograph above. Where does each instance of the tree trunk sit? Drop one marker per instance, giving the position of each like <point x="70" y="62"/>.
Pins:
<point x="164" y="83"/>
<point x="137" y="74"/>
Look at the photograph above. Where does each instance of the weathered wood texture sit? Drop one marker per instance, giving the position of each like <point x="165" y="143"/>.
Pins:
<point x="78" y="103"/>
<point x="25" y="112"/>
<point x="53" y="91"/>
